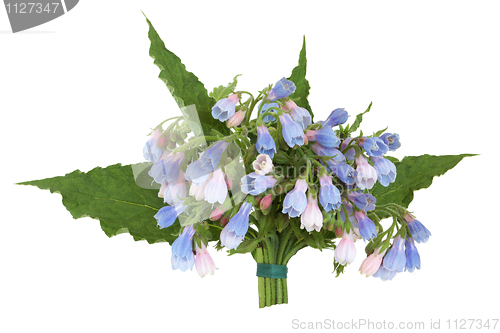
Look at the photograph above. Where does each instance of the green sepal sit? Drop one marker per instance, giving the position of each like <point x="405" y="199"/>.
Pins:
<point x="338" y="269"/>
<point x="282" y="222"/>
<point x="248" y="245"/>
<point x="280" y="158"/>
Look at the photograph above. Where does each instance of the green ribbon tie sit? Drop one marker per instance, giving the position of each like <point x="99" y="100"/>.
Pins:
<point x="271" y="271"/>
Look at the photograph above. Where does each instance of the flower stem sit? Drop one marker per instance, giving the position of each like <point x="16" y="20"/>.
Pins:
<point x="259" y="257"/>
<point x="272" y="291"/>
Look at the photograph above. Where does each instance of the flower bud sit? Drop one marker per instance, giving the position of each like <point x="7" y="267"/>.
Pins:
<point x="229" y="182"/>
<point x="155" y="134"/>
<point x="224" y="220"/>
<point x="372" y="263"/>
<point x="339" y="232"/>
<point x="236" y="119"/>
<point x="162" y="141"/>
<point x="179" y="140"/>
<point x="266" y="202"/>
<point x="216" y="213"/>
<point x="171" y="145"/>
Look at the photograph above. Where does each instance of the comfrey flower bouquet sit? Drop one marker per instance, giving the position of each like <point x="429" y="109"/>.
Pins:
<point x="254" y="173"/>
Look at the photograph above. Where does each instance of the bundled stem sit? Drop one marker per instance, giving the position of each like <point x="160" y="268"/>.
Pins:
<point x="277" y="248"/>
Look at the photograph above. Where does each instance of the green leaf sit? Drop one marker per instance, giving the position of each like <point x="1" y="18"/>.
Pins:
<point x="111" y="196"/>
<point x="359" y="119"/>
<point x="223" y="92"/>
<point x="183" y="85"/>
<point x="299" y="78"/>
<point x="414" y="173"/>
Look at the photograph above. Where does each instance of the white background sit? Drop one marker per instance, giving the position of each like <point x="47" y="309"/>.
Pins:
<point x="81" y="91"/>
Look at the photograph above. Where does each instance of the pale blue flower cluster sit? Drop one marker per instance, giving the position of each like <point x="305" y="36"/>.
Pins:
<point x="403" y="255"/>
<point x="345" y="167"/>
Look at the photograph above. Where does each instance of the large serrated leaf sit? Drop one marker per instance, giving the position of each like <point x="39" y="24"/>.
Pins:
<point x="414" y="173"/>
<point x="224" y="91"/>
<point x="111" y="196"/>
<point x="183" y="85"/>
<point x="299" y="78"/>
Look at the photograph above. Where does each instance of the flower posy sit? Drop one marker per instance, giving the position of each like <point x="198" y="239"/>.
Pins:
<point x="278" y="182"/>
<point x="287" y="163"/>
<point x="253" y="172"/>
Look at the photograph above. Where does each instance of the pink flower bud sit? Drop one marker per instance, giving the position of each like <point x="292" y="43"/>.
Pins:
<point x="171" y="145"/>
<point x="217" y="213"/>
<point x="236" y="119"/>
<point x="266" y="202"/>
<point x="224" y="221"/>
<point x="229" y="181"/>
<point x="338" y="232"/>
<point x="162" y="140"/>
<point x="371" y="264"/>
<point x="311" y="135"/>
<point x="156" y="134"/>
